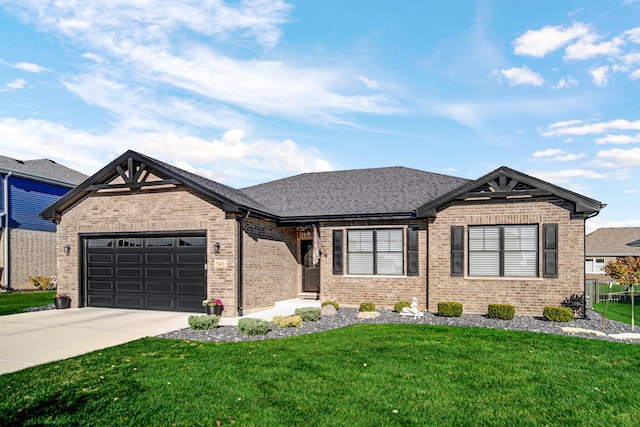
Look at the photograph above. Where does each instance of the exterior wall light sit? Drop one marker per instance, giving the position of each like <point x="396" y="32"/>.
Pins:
<point x="67" y="250"/>
<point x="216" y="248"/>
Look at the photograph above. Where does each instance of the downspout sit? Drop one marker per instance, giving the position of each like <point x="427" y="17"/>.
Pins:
<point x="5" y="214"/>
<point x="239" y="267"/>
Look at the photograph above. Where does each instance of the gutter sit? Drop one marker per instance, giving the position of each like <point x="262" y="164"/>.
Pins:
<point x="37" y="178"/>
<point x="5" y="216"/>
<point x="239" y="267"/>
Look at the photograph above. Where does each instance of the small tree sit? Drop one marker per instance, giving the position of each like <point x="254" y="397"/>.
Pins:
<point x="626" y="270"/>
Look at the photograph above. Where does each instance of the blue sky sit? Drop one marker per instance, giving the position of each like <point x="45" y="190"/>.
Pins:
<point x="248" y="91"/>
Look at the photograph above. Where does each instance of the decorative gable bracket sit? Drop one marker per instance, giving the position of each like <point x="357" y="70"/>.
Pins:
<point x="135" y="177"/>
<point x="503" y="187"/>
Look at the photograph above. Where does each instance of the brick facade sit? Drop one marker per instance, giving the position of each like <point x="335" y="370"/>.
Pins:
<point x="33" y="253"/>
<point x="384" y="291"/>
<point x="150" y="211"/>
<point x="270" y="267"/>
<point x="529" y="296"/>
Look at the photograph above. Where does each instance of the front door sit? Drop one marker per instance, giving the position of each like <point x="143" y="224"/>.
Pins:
<point x="310" y="274"/>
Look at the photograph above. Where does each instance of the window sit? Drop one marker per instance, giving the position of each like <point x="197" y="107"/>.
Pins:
<point x="371" y="252"/>
<point x="594" y="265"/>
<point x="503" y="251"/>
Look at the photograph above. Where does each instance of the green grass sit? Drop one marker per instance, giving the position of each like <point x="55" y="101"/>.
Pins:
<point x="363" y="375"/>
<point x="619" y="311"/>
<point x="14" y="302"/>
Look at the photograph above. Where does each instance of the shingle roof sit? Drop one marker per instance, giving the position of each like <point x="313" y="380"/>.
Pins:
<point x="612" y="241"/>
<point x="390" y="190"/>
<point x="225" y="191"/>
<point x="43" y="168"/>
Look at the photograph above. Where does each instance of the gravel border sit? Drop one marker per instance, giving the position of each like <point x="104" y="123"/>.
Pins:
<point x="347" y="316"/>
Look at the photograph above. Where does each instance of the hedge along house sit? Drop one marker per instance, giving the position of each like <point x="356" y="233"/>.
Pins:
<point x="145" y="234"/>
<point x="27" y="245"/>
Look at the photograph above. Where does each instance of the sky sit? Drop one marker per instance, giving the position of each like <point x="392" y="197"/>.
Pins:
<point x="248" y="91"/>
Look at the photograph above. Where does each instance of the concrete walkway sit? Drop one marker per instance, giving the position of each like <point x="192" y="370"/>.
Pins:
<point x="29" y="339"/>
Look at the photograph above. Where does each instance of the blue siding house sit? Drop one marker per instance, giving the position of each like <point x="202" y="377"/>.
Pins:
<point x="28" y="243"/>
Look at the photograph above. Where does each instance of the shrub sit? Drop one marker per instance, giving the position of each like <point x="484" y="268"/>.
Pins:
<point x="253" y="326"/>
<point x="576" y="303"/>
<point x="502" y="311"/>
<point x="400" y="305"/>
<point x="294" y="321"/>
<point x="40" y="282"/>
<point x="367" y="306"/>
<point x="557" y="314"/>
<point x="308" y="314"/>
<point x="203" y="322"/>
<point x="449" y="309"/>
<point x="333" y="303"/>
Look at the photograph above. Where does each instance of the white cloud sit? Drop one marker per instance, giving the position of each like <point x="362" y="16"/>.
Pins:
<point x="618" y="139"/>
<point x="370" y="83"/>
<point x="586" y="47"/>
<point x="633" y="35"/>
<point x="635" y="75"/>
<point x="522" y="76"/>
<point x="16" y="84"/>
<point x="29" y="67"/>
<point x="565" y="83"/>
<point x="600" y="76"/>
<point x="565" y="176"/>
<point x="538" y="43"/>
<point x="243" y="160"/>
<point x="577" y="128"/>
<point x="556" y="155"/>
<point x="601" y="222"/>
<point x="618" y="158"/>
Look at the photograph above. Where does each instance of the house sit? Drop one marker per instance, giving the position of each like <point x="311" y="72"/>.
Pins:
<point x="28" y="241"/>
<point x="145" y="234"/>
<point x="605" y="245"/>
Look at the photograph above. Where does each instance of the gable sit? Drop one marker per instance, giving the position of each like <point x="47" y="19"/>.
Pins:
<point x="507" y="185"/>
<point x="133" y="171"/>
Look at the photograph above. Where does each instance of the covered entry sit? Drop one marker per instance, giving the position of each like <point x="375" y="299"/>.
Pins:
<point x="145" y="271"/>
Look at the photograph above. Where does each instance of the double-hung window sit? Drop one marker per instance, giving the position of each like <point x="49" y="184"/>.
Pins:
<point x="503" y="250"/>
<point x="594" y="265"/>
<point x="375" y="252"/>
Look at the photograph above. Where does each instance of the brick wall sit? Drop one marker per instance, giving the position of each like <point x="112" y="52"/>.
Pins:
<point x="529" y="296"/>
<point x="270" y="268"/>
<point x="150" y="211"/>
<point x="384" y="291"/>
<point x="33" y="253"/>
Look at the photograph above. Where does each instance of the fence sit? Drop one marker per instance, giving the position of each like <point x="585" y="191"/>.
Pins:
<point x="602" y="292"/>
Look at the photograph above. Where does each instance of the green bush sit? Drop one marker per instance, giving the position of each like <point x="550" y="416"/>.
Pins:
<point x="253" y="326"/>
<point x="203" y="322"/>
<point x="449" y="309"/>
<point x="502" y="311"/>
<point x="557" y="314"/>
<point x="333" y="303"/>
<point x="308" y="314"/>
<point x="294" y="321"/>
<point x="367" y="306"/>
<point x="400" y="305"/>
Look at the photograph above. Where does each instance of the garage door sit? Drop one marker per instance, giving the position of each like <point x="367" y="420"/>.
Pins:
<point x="146" y="272"/>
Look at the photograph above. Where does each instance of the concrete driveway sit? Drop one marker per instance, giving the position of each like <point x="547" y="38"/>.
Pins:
<point x="29" y="339"/>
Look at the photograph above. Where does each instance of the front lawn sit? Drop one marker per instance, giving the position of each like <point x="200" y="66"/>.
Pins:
<point x="361" y="375"/>
<point x="619" y="311"/>
<point x="15" y="302"/>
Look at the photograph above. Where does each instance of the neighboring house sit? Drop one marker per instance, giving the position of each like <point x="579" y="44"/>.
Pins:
<point x="605" y="245"/>
<point x="28" y="242"/>
<point x="146" y="234"/>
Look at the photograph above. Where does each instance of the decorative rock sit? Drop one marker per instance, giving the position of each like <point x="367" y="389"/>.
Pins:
<point x="625" y="336"/>
<point x="368" y="315"/>
<point x="328" y="310"/>
<point x="571" y="330"/>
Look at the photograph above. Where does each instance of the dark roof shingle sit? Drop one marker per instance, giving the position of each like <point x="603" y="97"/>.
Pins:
<point x="389" y="190"/>
<point x="43" y="168"/>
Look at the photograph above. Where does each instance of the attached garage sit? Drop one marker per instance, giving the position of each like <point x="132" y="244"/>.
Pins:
<point x="145" y="271"/>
